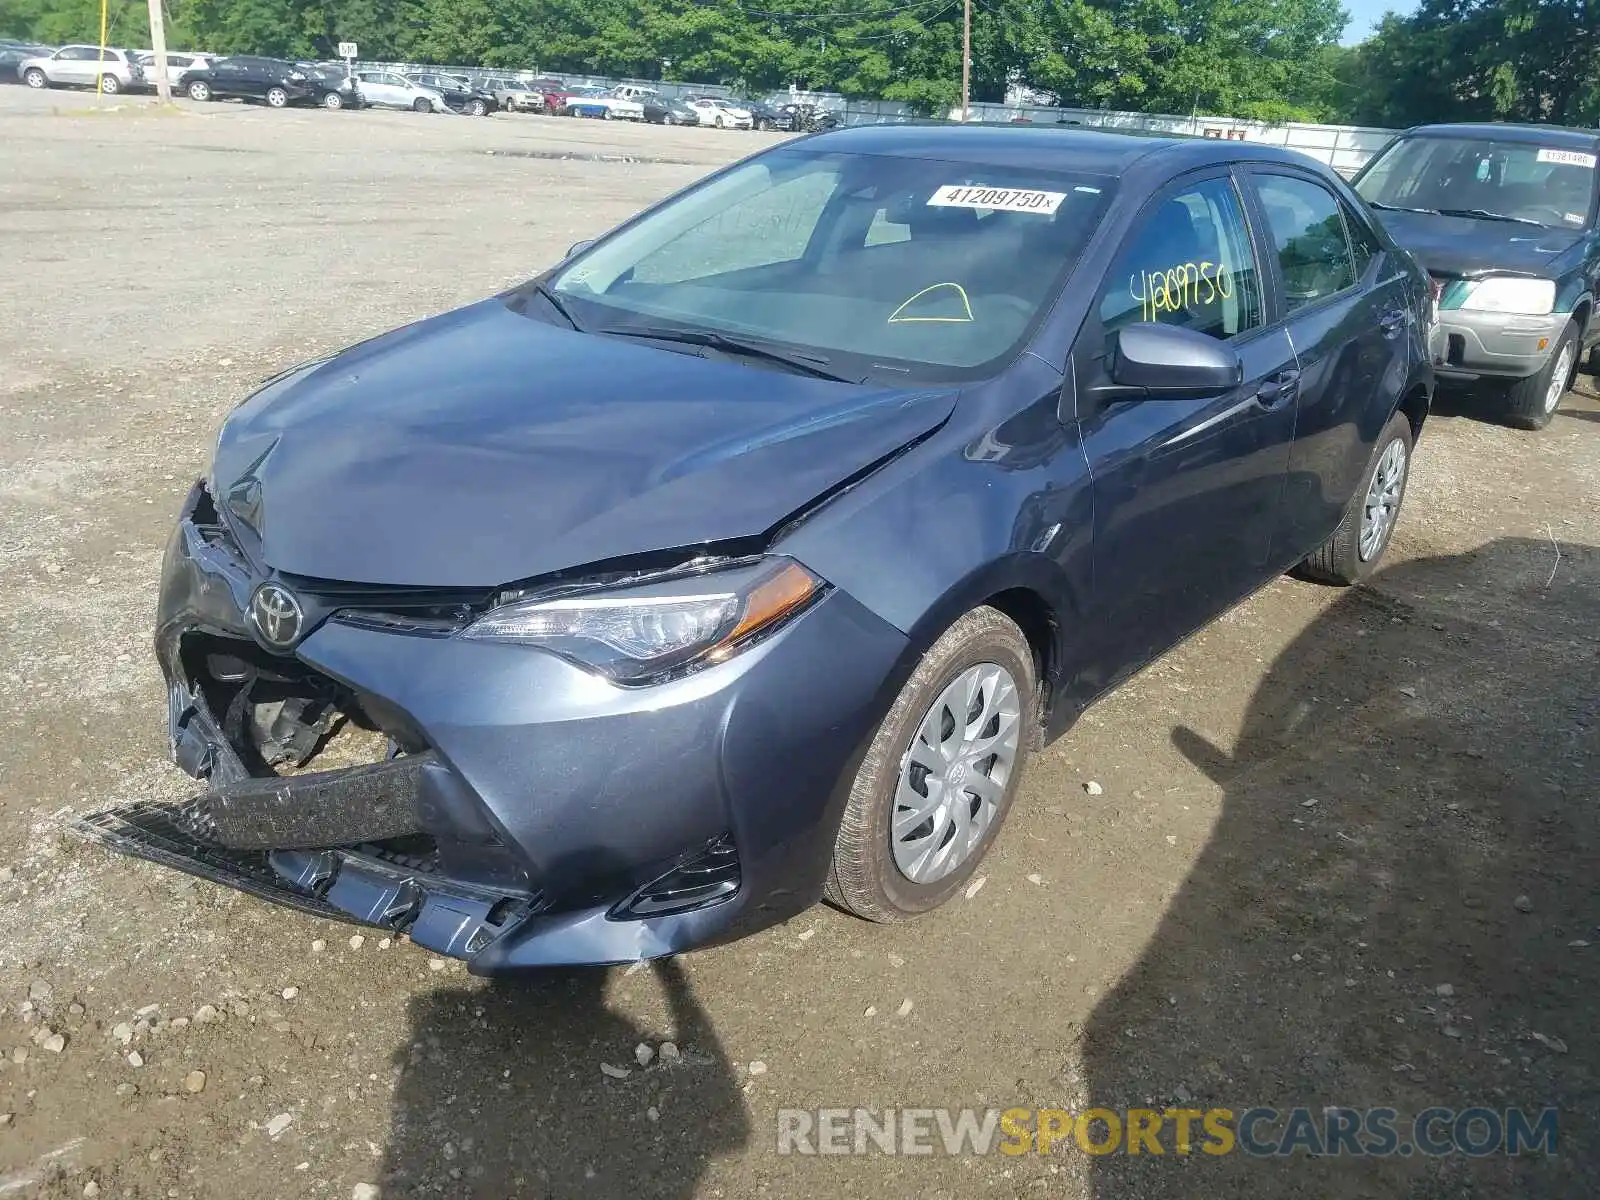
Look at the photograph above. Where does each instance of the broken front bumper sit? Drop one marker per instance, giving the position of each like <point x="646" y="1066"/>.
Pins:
<point x="531" y="813"/>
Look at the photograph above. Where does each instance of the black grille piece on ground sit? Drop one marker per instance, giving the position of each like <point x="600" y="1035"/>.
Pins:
<point x="149" y="831"/>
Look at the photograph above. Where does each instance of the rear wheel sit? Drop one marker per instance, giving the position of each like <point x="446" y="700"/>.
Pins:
<point x="1531" y="402"/>
<point x="35" y="78"/>
<point x="277" y="97"/>
<point x="1352" y="553"/>
<point x="720" y="123"/>
<point x="940" y="774"/>
<point x="332" y="100"/>
<point x="109" y="85"/>
<point x="200" y="90"/>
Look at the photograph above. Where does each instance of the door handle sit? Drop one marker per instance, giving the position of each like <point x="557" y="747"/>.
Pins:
<point x="1279" y="390"/>
<point x="1392" y="322"/>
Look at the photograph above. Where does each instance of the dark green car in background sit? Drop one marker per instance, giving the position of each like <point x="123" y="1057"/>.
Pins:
<point x="1504" y="219"/>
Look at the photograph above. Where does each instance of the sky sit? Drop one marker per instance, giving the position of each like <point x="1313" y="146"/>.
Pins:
<point x="1365" y="14"/>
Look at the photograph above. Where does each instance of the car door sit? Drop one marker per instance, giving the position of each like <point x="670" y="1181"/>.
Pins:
<point x="228" y="78"/>
<point x="74" y="64"/>
<point x="377" y="89"/>
<point x="1348" y="316"/>
<point x="1187" y="490"/>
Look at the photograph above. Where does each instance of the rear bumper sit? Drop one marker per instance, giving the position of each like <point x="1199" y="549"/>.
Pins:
<point x="542" y="797"/>
<point x="1468" y="345"/>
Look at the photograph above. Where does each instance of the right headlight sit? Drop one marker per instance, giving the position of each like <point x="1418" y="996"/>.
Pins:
<point x="1506" y="294"/>
<point x="641" y="632"/>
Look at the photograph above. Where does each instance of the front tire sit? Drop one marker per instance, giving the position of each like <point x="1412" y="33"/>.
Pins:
<point x="421" y="106"/>
<point x="940" y="774"/>
<point x="477" y="108"/>
<point x="1530" y="403"/>
<point x="199" y="90"/>
<point x="277" y="97"/>
<point x="720" y="123"/>
<point x="36" y="79"/>
<point x="1354" y="550"/>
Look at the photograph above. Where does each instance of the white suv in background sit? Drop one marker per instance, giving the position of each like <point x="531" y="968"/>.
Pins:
<point x="390" y="89"/>
<point x="84" y="66"/>
<point x="177" y="64"/>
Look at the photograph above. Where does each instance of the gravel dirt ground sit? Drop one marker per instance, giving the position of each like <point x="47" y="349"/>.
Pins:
<point x="1343" y="847"/>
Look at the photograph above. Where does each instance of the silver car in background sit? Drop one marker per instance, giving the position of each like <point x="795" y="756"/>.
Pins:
<point x="83" y="66"/>
<point x="389" y="89"/>
<point x="177" y="63"/>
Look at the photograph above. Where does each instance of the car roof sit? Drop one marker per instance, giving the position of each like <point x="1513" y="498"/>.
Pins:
<point x="1548" y="135"/>
<point x="1091" y="150"/>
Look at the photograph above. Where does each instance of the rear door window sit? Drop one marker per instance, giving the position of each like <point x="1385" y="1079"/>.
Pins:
<point x="1308" y="232"/>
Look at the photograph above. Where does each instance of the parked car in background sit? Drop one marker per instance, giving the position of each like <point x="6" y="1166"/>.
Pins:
<point x="763" y="115"/>
<point x="512" y="95"/>
<point x="556" y="93"/>
<point x="1504" y="219"/>
<point x="800" y="116"/>
<point x="813" y="548"/>
<point x="669" y="110"/>
<point x="250" y="77"/>
<point x="178" y="64"/>
<point x="14" y="53"/>
<point x="603" y="103"/>
<point x="83" y="66"/>
<point x="334" y="85"/>
<point x="390" y="89"/>
<point x="460" y="95"/>
<point x="721" y="114"/>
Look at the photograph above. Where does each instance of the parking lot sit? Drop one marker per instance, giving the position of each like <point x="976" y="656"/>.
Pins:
<point x="1342" y="848"/>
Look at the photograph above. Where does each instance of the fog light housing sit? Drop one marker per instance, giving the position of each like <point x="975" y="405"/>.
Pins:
<point x="710" y="877"/>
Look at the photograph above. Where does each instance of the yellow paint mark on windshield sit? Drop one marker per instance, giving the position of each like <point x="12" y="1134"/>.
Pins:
<point x="899" y="317"/>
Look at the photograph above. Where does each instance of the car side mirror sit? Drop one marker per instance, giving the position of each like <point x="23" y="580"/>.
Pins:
<point x="578" y="248"/>
<point x="1168" y="361"/>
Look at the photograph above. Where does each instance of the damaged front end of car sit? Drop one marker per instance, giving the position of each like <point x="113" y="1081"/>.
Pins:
<point x="401" y="757"/>
<point x="320" y="797"/>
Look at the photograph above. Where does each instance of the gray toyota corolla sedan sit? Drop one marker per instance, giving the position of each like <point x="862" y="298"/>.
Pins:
<point x="744" y="557"/>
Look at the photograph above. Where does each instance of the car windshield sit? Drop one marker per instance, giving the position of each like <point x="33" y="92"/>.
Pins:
<point x="876" y="265"/>
<point x="1550" y="185"/>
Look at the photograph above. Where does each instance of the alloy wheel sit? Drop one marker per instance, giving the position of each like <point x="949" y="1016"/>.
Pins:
<point x="1560" y="376"/>
<point x="955" y="773"/>
<point x="1382" y="503"/>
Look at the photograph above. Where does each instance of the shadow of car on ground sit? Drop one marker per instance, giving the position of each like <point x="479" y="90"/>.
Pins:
<point x="1400" y="903"/>
<point x="501" y="1094"/>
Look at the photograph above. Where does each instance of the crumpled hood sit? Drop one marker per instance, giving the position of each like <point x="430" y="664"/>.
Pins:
<point x="1466" y="246"/>
<point x="482" y="447"/>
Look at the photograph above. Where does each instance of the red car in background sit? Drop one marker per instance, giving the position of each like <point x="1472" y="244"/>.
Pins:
<point x="555" y="91"/>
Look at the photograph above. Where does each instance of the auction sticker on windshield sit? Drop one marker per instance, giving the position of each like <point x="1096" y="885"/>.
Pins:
<point x="960" y="195"/>
<point x="1570" y="158"/>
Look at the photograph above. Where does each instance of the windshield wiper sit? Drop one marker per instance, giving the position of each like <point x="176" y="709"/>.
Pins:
<point x="1432" y="212"/>
<point x="799" y="363"/>
<point x="555" y="302"/>
<point x="1484" y="214"/>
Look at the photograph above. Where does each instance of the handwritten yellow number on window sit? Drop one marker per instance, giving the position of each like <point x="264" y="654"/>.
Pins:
<point x="1178" y="287"/>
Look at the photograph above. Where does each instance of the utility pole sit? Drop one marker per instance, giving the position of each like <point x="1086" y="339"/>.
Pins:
<point x="966" y="60"/>
<point x="158" y="41"/>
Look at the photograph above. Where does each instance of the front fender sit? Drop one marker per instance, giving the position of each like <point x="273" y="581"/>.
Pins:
<point x="948" y="526"/>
